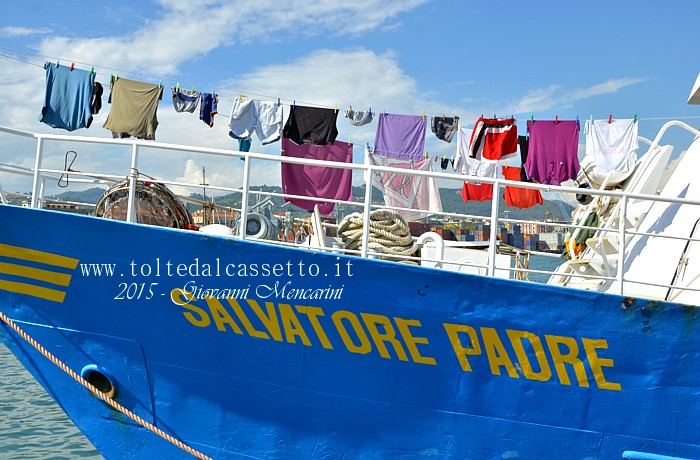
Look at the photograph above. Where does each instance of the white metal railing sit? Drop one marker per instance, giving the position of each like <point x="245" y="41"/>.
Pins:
<point x="40" y="175"/>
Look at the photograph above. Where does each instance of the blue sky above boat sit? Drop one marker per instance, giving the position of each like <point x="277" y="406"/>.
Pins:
<point x="521" y="59"/>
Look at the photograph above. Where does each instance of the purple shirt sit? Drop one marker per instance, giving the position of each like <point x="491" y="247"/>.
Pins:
<point x="400" y="136"/>
<point x="316" y="181"/>
<point x="553" y="154"/>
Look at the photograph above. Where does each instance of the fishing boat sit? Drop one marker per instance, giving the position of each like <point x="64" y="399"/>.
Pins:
<point x="164" y="340"/>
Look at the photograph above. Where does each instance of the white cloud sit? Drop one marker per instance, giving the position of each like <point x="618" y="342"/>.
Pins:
<point x="554" y="96"/>
<point x="13" y="32"/>
<point x="608" y="87"/>
<point x="200" y="27"/>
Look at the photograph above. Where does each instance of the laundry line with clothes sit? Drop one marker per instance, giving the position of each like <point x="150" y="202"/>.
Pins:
<point x="548" y="150"/>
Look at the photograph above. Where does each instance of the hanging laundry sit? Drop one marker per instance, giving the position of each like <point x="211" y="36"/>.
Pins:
<point x="244" y="145"/>
<point x="553" y="154"/>
<point x="262" y="117"/>
<point x="444" y="163"/>
<point x="494" y="139"/>
<point x="444" y="127"/>
<point x="465" y="164"/>
<point x="134" y="107"/>
<point x="316" y="181"/>
<point x="404" y="190"/>
<point x="523" y="145"/>
<point x="400" y="136"/>
<point x="96" y="99"/>
<point x="69" y="93"/>
<point x="477" y="192"/>
<point x="208" y="107"/>
<point x="311" y="125"/>
<point x="359" y="118"/>
<point x="518" y="196"/>
<point x="185" y="101"/>
<point x="613" y="144"/>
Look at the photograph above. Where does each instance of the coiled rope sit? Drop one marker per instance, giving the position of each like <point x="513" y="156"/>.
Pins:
<point x="389" y="234"/>
<point x="100" y="394"/>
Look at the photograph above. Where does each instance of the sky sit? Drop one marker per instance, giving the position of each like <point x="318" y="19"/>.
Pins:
<point x="537" y="59"/>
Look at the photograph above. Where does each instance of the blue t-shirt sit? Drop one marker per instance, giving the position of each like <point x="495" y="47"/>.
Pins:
<point x="68" y="97"/>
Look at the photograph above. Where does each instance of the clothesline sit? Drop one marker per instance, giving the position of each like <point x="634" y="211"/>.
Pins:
<point x="183" y="83"/>
<point x="214" y="88"/>
<point x="549" y="154"/>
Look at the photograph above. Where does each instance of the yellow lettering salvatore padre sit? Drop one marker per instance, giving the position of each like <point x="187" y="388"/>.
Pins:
<point x="532" y="357"/>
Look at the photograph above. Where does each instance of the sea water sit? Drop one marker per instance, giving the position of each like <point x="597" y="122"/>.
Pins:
<point x="34" y="427"/>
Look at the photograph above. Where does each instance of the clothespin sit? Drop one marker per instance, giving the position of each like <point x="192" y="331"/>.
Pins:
<point x="92" y="70"/>
<point x="116" y="76"/>
<point x="436" y="158"/>
<point x="370" y="110"/>
<point x="556" y="120"/>
<point x="192" y="91"/>
<point x="443" y="116"/>
<point x="240" y="97"/>
<point x="335" y="108"/>
<point x="350" y="111"/>
<point x="278" y="101"/>
<point x="635" y="118"/>
<point x="423" y="116"/>
<point x="294" y="102"/>
<point x="177" y="87"/>
<point x="532" y="119"/>
<point x="494" y="116"/>
<point x="72" y="66"/>
<point x="58" y="62"/>
<point x="577" y="120"/>
<point x="610" y="119"/>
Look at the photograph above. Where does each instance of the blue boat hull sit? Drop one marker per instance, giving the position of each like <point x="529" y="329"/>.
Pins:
<point x="319" y="355"/>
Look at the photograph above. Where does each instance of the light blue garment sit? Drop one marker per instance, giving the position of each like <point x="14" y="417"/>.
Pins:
<point x="68" y="97"/>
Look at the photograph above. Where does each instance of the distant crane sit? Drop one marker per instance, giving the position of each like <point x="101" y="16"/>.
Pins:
<point x="565" y="214"/>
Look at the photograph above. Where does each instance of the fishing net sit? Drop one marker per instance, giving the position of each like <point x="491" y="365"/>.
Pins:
<point x="154" y="204"/>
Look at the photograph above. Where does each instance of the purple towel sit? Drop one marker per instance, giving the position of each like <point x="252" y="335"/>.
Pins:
<point x="400" y="136"/>
<point x="553" y="153"/>
<point x="317" y="181"/>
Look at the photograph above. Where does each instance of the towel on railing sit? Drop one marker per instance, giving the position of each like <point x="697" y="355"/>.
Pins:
<point x="316" y="181"/>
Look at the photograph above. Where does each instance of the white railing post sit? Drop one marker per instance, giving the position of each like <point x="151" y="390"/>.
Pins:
<point x="494" y="224"/>
<point x="621" y="250"/>
<point x="37" y="166"/>
<point x="133" y="177"/>
<point x="244" y="198"/>
<point x="366" y="211"/>
<point x="42" y="192"/>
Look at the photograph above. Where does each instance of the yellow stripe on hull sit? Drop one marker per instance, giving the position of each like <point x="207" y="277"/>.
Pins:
<point x="31" y="255"/>
<point x="60" y="279"/>
<point x="34" y="291"/>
